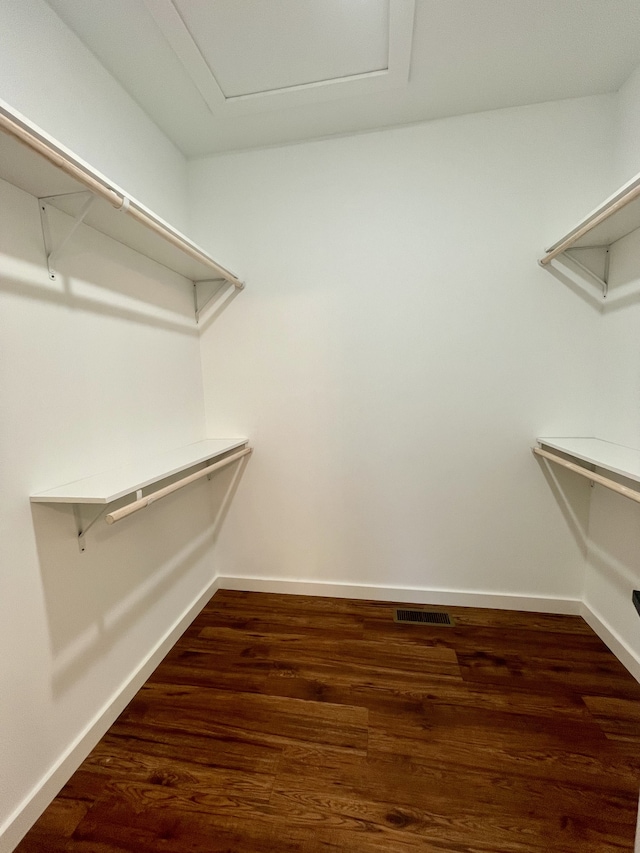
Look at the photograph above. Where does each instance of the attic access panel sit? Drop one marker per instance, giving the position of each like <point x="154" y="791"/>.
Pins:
<point x="255" y="47"/>
<point x="253" y="56"/>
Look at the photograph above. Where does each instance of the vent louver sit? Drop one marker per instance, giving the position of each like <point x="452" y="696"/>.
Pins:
<point x="422" y="617"/>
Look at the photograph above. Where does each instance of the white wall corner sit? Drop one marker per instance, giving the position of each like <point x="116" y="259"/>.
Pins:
<point x="627" y="128"/>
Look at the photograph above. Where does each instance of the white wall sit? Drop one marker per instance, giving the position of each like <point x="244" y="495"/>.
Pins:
<point x="627" y="157"/>
<point x="398" y="349"/>
<point x="101" y="366"/>
<point x="97" y="368"/>
<point x="613" y="568"/>
<point x="47" y="74"/>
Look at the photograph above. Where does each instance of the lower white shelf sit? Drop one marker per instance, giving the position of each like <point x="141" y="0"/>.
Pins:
<point x="109" y="486"/>
<point x="595" y="453"/>
<point x="615" y="458"/>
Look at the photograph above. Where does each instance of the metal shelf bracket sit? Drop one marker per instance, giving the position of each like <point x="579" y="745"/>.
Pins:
<point x="81" y="527"/>
<point x="603" y="280"/>
<point x="213" y="287"/>
<point x="53" y="252"/>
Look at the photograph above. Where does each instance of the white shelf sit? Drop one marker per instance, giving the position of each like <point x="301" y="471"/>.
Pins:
<point x="616" y="217"/>
<point x="111" y="485"/>
<point x="603" y="454"/>
<point x="40" y="166"/>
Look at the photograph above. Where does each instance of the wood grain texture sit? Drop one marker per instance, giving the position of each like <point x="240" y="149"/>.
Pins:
<point x="293" y="724"/>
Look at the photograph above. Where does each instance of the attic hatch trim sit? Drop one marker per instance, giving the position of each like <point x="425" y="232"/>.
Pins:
<point x="175" y="30"/>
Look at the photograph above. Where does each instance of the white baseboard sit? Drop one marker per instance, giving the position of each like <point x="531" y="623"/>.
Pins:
<point x="18" y="824"/>
<point x="625" y="654"/>
<point x="407" y="595"/>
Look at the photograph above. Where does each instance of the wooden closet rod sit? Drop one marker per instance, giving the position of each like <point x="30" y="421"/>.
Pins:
<point x="630" y="195"/>
<point x="590" y="475"/>
<point x="115" y="199"/>
<point x="141" y="503"/>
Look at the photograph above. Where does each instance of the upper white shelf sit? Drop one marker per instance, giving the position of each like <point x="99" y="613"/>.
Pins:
<point x="35" y="162"/>
<point x="603" y="454"/>
<point x="616" y="217"/>
<point x="111" y="485"/>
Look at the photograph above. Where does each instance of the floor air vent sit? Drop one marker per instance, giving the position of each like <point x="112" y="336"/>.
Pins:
<point x="422" y="617"/>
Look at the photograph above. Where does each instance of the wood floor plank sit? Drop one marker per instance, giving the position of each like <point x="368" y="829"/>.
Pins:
<point x="576" y="675"/>
<point x="56" y="826"/>
<point x="212" y="752"/>
<point x="588" y="768"/>
<point x="412" y="785"/>
<point x="159" y="828"/>
<point x="294" y="724"/>
<point x="619" y="718"/>
<point x="141" y="768"/>
<point x="374" y="655"/>
<point x="251" y="718"/>
<point x="491" y="828"/>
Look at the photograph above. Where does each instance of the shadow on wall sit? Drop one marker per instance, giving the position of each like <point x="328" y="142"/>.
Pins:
<point x="572" y="494"/>
<point x="64" y="296"/>
<point x="621" y="574"/>
<point x="614" y="546"/>
<point x="132" y="583"/>
<point x="211" y="300"/>
<point x="97" y="274"/>
<point x="583" y="287"/>
<point x="613" y="570"/>
<point x="624" y="284"/>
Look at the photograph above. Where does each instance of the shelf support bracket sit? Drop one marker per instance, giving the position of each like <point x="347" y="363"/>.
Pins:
<point x="200" y="305"/>
<point x="602" y="281"/>
<point x="53" y="252"/>
<point x="83" y="530"/>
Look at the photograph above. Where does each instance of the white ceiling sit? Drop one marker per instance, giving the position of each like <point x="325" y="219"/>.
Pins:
<point x="220" y="75"/>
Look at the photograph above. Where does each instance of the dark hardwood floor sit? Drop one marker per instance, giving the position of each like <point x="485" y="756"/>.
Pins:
<point x="289" y="724"/>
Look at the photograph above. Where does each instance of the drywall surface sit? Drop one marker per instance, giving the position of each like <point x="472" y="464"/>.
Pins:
<point x="95" y="369"/>
<point x="613" y="565"/>
<point x="48" y="75"/>
<point x="627" y="157"/>
<point x="398" y="349"/>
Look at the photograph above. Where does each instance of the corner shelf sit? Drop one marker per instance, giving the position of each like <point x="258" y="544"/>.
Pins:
<point x="33" y="161"/>
<point x="614" y="458"/>
<point x="616" y="217"/>
<point x="109" y="486"/>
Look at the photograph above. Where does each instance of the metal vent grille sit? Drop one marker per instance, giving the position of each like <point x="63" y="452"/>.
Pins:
<point x="422" y="617"/>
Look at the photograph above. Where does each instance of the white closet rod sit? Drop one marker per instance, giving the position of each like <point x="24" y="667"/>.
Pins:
<point x="590" y="475"/>
<point x="115" y="199"/>
<point x="630" y="195"/>
<point x="141" y="503"/>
